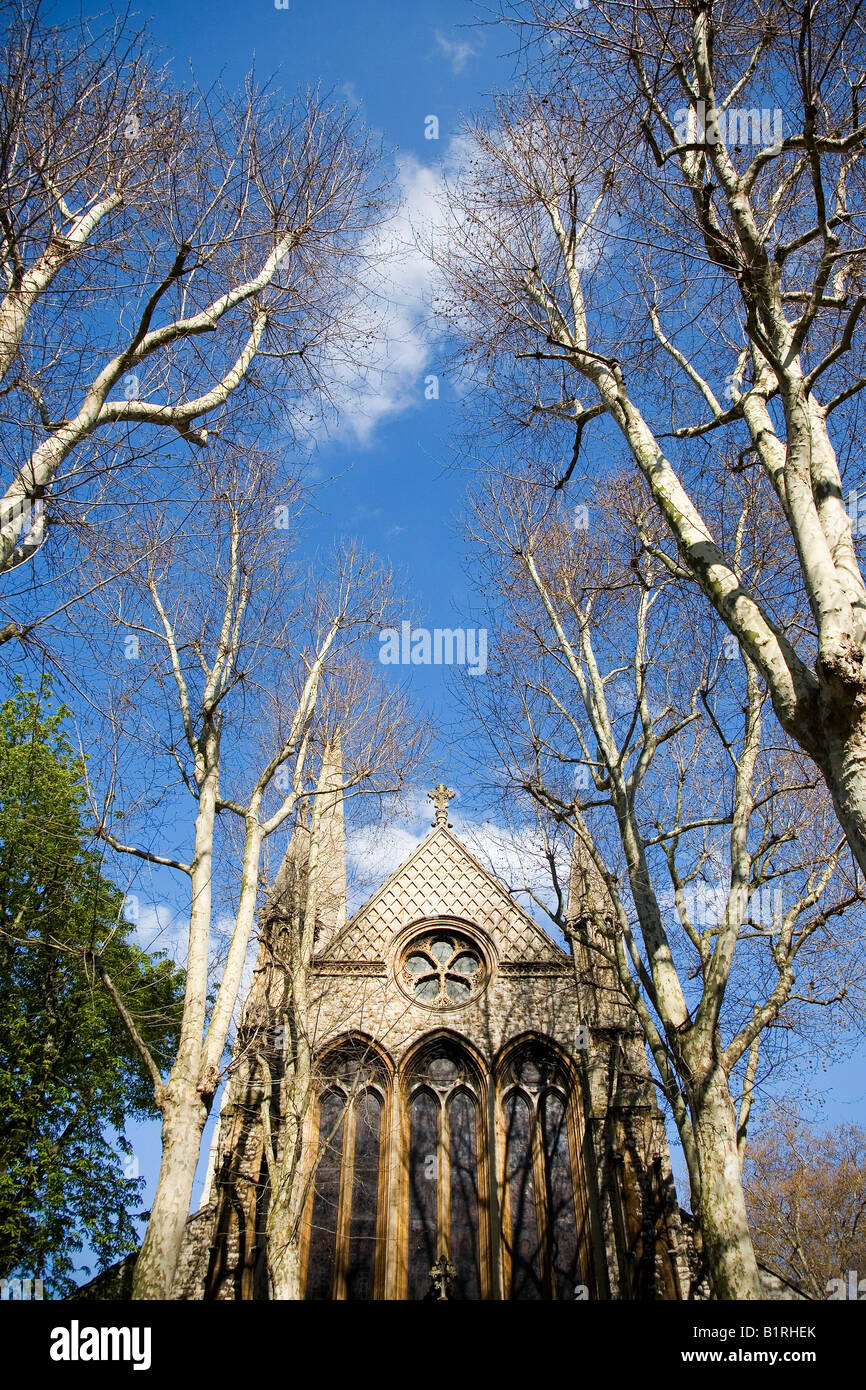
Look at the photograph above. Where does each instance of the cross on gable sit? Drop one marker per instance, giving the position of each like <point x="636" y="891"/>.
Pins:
<point x="440" y="796"/>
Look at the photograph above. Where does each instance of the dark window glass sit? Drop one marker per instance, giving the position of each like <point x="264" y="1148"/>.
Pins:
<point x="457" y="989"/>
<point x="520" y="1185"/>
<point x="423" y="1191"/>
<point x="560" y="1197"/>
<point x="323" y="1233"/>
<point x="361" y="1263"/>
<point x="442" y="949"/>
<point x="465" y="964"/>
<point x="464" y="1252"/>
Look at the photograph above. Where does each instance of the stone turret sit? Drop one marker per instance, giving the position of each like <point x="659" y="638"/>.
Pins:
<point x="646" y="1247"/>
<point x="331" y="872"/>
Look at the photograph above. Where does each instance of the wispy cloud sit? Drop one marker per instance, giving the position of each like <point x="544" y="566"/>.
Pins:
<point x="457" y="51"/>
<point x="159" y="927"/>
<point x="363" y="513"/>
<point x="350" y="92"/>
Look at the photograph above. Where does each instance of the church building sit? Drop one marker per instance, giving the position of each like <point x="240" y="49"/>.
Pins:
<point x="482" y="1123"/>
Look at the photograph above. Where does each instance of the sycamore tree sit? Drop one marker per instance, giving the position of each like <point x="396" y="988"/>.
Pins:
<point x="173" y="260"/>
<point x="692" y="850"/>
<point x="657" y="253"/>
<point x="69" y="1075"/>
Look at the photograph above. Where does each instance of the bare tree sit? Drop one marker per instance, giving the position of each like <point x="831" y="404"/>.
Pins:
<point x="172" y="261"/>
<point x="236" y="651"/>
<point x="638" y="228"/>
<point x="806" y="1195"/>
<point x="708" y="856"/>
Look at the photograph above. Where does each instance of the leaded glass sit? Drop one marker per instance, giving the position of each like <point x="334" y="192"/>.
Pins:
<point x="442" y="970"/>
<point x="423" y="1191"/>
<point x="464" y="1250"/>
<point x="520" y="1184"/>
<point x="361" y="1263"/>
<point x="560" y="1197"/>
<point x="323" y="1234"/>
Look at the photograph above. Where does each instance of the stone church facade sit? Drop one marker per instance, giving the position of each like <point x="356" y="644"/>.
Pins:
<point x="482" y="1124"/>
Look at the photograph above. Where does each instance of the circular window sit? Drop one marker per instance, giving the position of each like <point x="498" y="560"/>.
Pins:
<point x="442" y="969"/>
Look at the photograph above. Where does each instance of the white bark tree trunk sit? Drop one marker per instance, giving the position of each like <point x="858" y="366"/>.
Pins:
<point x="727" y="1241"/>
<point x="184" y="1116"/>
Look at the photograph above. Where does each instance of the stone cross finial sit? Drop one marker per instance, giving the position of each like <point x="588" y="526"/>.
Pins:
<point x="440" y="796"/>
<point x="442" y="1275"/>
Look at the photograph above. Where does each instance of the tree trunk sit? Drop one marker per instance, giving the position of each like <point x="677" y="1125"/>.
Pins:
<point x="184" y="1107"/>
<point x="184" y="1116"/>
<point x="843" y="716"/>
<point x="284" y="1217"/>
<point x="285" y="1269"/>
<point x="727" y="1240"/>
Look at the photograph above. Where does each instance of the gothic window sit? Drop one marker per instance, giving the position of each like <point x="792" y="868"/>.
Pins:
<point x="442" y="969"/>
<point x="447" y="1207"/>
<point x="346" y="1237"/>
<point x="544" y="1230"/>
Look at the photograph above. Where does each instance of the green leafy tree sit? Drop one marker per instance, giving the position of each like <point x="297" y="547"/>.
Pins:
<point x="70" y="1076"/>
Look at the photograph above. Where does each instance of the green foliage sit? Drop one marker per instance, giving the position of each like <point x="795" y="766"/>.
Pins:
<point x="69" y="1075"/>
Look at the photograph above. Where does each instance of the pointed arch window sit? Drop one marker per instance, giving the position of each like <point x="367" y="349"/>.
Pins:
<point x="346" y="1241"/>
<point x="545" y="1231"/>
<point x="446" y="1171"/>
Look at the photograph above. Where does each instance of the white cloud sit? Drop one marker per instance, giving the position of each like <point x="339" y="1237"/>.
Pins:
<point x="372" y="853"/>
<point x="457" y="51"/>
<point x="159" y="927"/>
<point x="392" y="312"/>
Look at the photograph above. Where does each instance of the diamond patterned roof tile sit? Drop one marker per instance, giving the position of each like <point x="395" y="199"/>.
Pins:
<point x="442" y="878"/>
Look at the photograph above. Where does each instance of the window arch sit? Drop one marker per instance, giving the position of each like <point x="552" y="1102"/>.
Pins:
<point x="446" y="1205"/>
<point x="545" y="1231"/>
<point x="347" y="1205"/>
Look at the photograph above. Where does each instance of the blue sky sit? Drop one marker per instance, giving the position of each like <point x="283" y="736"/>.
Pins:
<point x="400" y="488"/>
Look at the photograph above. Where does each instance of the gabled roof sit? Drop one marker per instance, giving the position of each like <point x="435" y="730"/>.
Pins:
<point x="440" y="879"/>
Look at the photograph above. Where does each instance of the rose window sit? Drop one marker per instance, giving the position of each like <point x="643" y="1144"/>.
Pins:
<point x="442" y="970"/>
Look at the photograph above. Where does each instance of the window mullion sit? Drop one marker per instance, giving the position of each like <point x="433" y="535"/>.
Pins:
<point x="442" y="1151"/>
<point x="542" y="1205"/>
